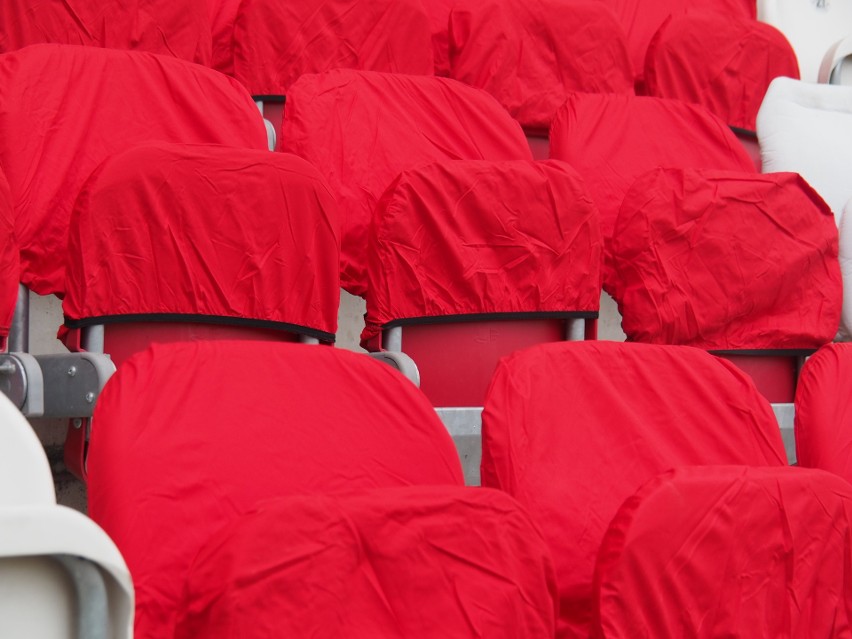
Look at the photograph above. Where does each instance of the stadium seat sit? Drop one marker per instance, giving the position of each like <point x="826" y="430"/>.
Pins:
<point x="64" y="109"/>
<point x="573" y="429"/>
<point x="60" y="576"/>
<point x="518" y="51"/>
<point x="728" y="552"/>
<point x="805" y="128"/>
<point x="188" y="437"/>
<point x="811" y="27"/>
<point x="612" y="139"/>
<point x="742" y="265"/>
<point x="166" y="27"/>
<point x="430" y="563"/>
<point x="362" y="128"/>
<point x="836" y="66"/>
<point x="824" y="411"/>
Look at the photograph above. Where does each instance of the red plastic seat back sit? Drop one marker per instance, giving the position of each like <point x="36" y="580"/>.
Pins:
<point x="170" y="232"/>
<point x="362" y="129"/>
<point x="573" y="429"/>
<point x="730" y="64"/>
<point x="275" y="43"/>
<point x="188" y="437"/>
<point x="180" y="29"/>
<point x="394" y="563"/>
<point x="823" y="411"/>
<point x="10" y="264"/>
<point x="721" y="260"/>
<point x="729" y="552"/>
<point x="63" y="110"/>
<point x="518" y="51"/>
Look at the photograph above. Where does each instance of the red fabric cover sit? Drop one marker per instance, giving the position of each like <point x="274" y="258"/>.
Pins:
<point x="64" y="109"/>
<point x="205" y="230"/>
<point x="431" y="563"/>
<point x="729" y="552"/>
<point x="823" y="420"/>
<point x="572" y="429"/>
<point x="467" y="237"/>
<point x="613" y="139"/>
<point x="640" y="20"/>
<point x="188" y="437"/>
<point x="10" y="265"/>
<point x="520" y="51"/>
<point x="362" y="128"/>
<point x="275" y="42"/>
<point x="166" y="27"/>
<point x="439" y="17"/>
<point x="223" y="15"/>
<point x="721" y="260"/>
<point x="720" y="62"/>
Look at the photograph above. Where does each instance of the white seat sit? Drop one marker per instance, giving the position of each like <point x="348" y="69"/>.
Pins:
<point x="60" y="575"/>
<point x="836" y="67"/>
<point x="810" y="26"/>
<point x="807" y="129"/>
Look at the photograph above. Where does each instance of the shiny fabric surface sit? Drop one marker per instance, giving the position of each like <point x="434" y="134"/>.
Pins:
<point x="467" y="237"/>
<point x="729" y="552"/>
<point x="64" y="109"/>
<point x="170" y="229"/>
<point x="532" y="54"/>
<point x="720" y="62"/>
<point x="10" y="262"/>
<point x="430" y="563"/>
<point x="361" y="129"/>
<point x="275" y="42"/>
<point x="188" y="437"/>
<point x="721" y="260"/>
<point x="573" y="429"/>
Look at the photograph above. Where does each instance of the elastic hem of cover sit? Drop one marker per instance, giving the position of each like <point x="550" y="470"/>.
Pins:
<point x="270" y="98"/>
<point x="768" y="352"/>
<point x="485" y="317"/>
<point x="746" y="133"/>
<point x="216" y="320"/>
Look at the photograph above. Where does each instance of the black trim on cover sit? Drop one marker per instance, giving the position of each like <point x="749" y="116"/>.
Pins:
<point x="270" y="98"/>
<point x="745" y="133"/>
<point x="486" y="317"/>
<point x="769" y="352"/>
<point x="188" y="318"/>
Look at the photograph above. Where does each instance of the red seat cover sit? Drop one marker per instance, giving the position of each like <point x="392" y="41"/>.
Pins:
<point x="64" y="109"/>
<point x="612" y="139"/>
<point x="275" y="42"/>
<point x="480" y="238"/>
<point x="10" y="265"/>
<point x="823" y="420"/>
<point x="439" y="18"/>
<point x="720" y="62"/>
<point x="729" y="552"/>
<point x="180" y="29"/>
<point x="223" y="15"/>
<point x="188" y="437"/>
<point x="395" y="563"/>
<point x="182" y="231"/>
<point x="519" y="52"/>
<point x="574" y="428"/>
<point x="361" y="129"/>
<point x="721" y="260"/>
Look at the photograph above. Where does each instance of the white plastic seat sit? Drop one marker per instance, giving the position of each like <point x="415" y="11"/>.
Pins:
<point x="807" y="129"/>
<point x="810" y="26"/>
<point x="60" y="575"/>
<point x="836" y="67"/>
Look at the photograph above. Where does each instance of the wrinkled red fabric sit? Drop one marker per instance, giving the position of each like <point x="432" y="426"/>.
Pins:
<point x="10" y="264"/>
<point x="823" y="420"/>
<point x="572" y="429"/>
<point x="467" y="237"/>
<point x="275" y="43"/>
<point x="223" y="15"/>
<point x="532" y="54"/>
<point x="171" y="229"/>
<point x="721" y="260"/>
<point x="640" y="20"/>
<point x="439" y="18"/>
<point x="613" y="139"/>
<point x="166" y="27"/>
<point x="729" y="552"/>
<point x="188" y="437"/>
<point x="362" y="128"/>
<point x="395" y="563"/>
<point x="64" y="109"/>
<point x="720" y="62"/>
